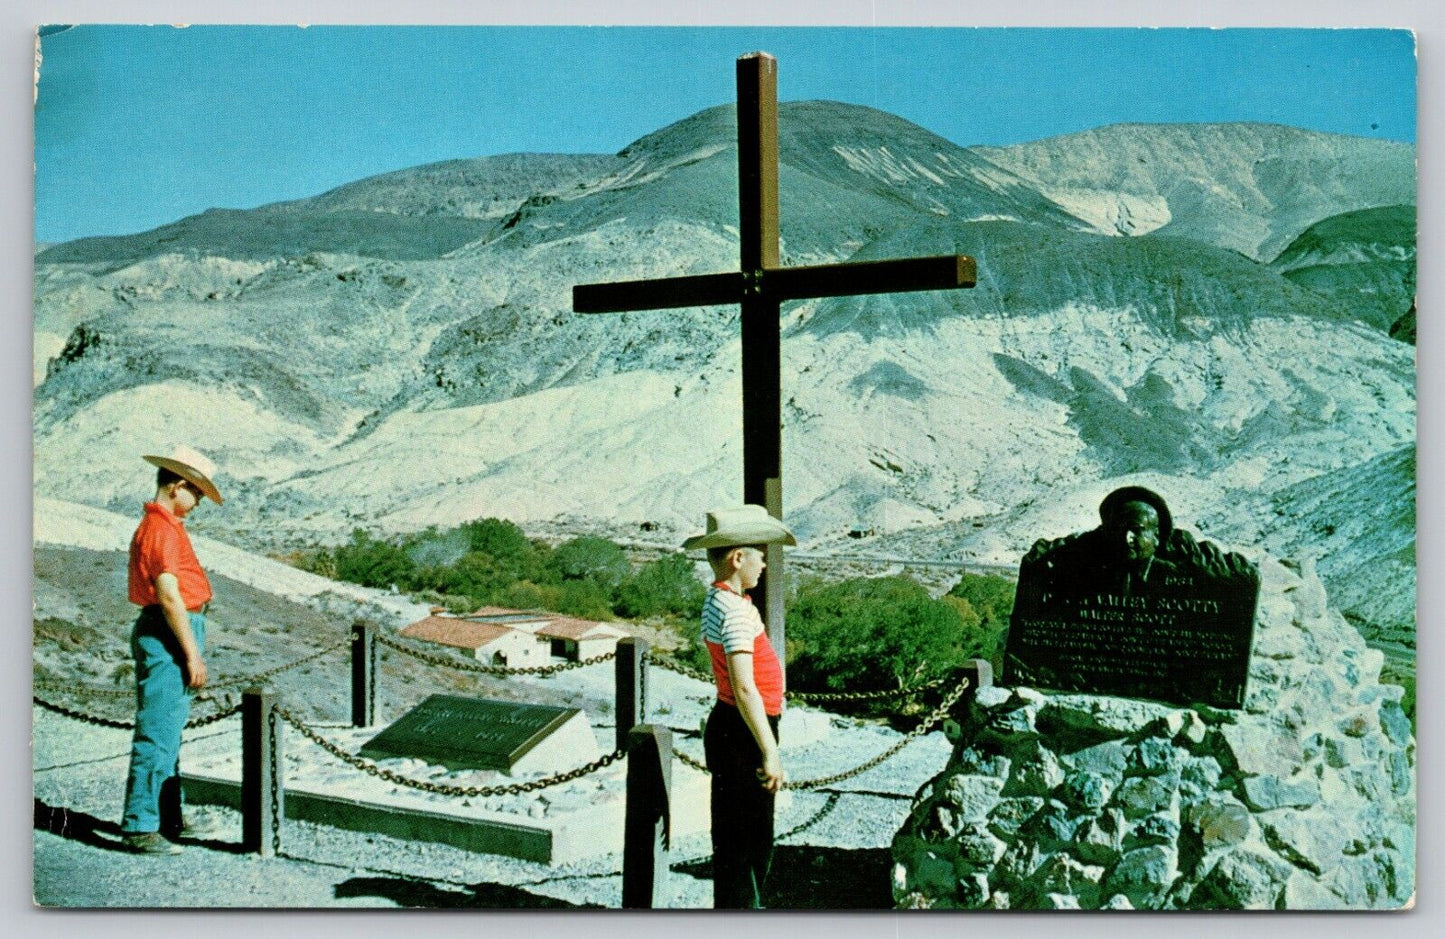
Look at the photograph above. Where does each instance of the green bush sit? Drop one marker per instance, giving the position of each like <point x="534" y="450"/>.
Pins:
<point x="585" y="598"/>
<point x="667" y="586"/>
<point x="869" y="634"/>
<point x="985" y="602"/>
<point x="373" y="563"/>
<point x="589" y="558"/>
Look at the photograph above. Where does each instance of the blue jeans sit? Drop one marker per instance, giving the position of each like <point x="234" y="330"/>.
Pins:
<point x="163" y="704"/>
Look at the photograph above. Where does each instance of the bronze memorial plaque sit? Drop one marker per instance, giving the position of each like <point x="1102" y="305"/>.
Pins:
<point x="468" y="733"/>
<point x="1134" y="608"/>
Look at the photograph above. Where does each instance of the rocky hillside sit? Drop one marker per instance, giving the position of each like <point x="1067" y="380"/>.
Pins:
<point x="401" y="352"/>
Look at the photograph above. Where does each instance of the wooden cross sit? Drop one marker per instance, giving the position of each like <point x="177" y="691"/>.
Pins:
<point x="761" y="286"/>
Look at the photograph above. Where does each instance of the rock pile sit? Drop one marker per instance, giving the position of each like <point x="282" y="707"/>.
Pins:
<point x="1305" y="799"/>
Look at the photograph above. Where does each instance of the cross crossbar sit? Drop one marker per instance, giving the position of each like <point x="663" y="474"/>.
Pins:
<point x="944" y="272"/>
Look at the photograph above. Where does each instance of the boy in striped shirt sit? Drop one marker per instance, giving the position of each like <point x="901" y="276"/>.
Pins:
<point x="741" y="737"/>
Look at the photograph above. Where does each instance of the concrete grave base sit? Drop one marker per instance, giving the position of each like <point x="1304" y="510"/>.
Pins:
<point x="557" y="825"/>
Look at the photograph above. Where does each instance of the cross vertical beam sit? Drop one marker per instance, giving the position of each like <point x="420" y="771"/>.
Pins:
<point x="760" y="287"/>
<point x="757" y="117"/>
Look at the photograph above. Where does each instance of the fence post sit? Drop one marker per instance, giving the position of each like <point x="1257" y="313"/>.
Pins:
<point x="363" y="673"/>
<point x="647" y="832"/>
<point x="631" y="706"/>
<point x="263" y="800"/>
<point x="979" y="674"/>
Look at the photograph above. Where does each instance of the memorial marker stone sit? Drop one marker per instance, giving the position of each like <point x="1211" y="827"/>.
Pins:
<point x="1134" y="609"/>
<point x="477" y="733"/>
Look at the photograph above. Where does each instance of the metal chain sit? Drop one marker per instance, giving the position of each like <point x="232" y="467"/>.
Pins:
<point x="695" y="764"/>
<point x="64" y="688"/>
<point x="371" y="670"/>
<point x="805" y="696"/>
<point x="511" y="789"/>
<point x="816" y="817"/>
<point x="271" y="736"/>
<point x="260" y="677"/>
<point x="677" y="667"/>
<point x="867" y="695"/>
<point x="923" y="728"/>
<point x="927" y="725"/>
<point x="215" y="718"/>
<point x="129" y="725"/>
<point x="447" y="662"/>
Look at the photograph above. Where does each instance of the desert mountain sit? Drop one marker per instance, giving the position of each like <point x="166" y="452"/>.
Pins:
<point x="401" y="351"/>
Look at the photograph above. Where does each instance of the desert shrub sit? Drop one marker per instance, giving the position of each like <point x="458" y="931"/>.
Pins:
<point x="984" y="602"/>
<point x="667" y="586"/>
<point x="870" y="634"/>
<point x="589" y="558"/>
<point x="373" y="563"/>
<point x="585" y="598"/>
<point x="525" y="595"/>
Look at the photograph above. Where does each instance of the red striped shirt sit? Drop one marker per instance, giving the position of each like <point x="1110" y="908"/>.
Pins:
<point x="731" y="624"/>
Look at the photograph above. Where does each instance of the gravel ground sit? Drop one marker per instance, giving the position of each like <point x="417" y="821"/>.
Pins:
<point x="840" y="861"/>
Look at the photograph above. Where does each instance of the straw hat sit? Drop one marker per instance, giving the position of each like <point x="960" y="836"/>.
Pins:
<point x="191" y="466"/>
<point x="744" y="525"/>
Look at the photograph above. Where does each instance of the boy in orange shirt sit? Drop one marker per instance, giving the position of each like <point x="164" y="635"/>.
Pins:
<point x="167" y="642"/>
<point x="741" y="737"/>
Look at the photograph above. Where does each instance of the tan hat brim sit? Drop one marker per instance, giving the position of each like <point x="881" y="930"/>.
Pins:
<point x="753" y="534"/>
<point x="188" y="473"/>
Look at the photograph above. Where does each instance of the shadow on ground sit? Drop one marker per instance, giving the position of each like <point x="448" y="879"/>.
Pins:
<point x="420" y="894"/>
<point x="77" y="826"/>
<point x="807" y="877"/>
<point x="98" y="833"/>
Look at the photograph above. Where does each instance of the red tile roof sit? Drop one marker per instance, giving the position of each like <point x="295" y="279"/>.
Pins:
<point x="451" y="631"/>
<point x="492" y="622"/>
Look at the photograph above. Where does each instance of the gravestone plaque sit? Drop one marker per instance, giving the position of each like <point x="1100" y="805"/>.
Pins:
<point x="471" y="733"/>
<point x="1134" y="609"/>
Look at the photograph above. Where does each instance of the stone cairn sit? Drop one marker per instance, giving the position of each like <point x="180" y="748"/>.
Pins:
<point x="1302" y="800"/>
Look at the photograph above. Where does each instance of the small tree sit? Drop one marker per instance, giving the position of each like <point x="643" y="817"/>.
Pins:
<point x="666" y="586"/>
<point x="990" y="600"/>
<point x="589" y="558"/>
<point x="871" y="633"/>
<point x="373" y="563"/>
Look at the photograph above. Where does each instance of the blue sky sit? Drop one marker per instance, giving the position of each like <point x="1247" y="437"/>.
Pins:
<point x="137" y="126"/>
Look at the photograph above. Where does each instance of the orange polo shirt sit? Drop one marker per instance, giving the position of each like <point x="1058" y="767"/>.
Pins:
<point x="161" y="546"/>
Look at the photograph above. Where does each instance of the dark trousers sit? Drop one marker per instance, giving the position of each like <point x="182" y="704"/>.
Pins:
<point x="742" y="811"/>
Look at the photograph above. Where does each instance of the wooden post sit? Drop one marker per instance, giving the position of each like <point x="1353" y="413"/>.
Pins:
<point x="647" y="835"/>
<point x="631" y="687"/>
<point x="363" y="673"/>
<point x="263" y="799"/>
